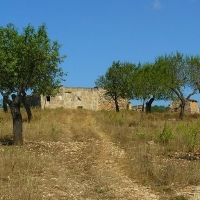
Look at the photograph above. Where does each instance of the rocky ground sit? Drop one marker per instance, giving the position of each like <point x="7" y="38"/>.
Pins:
<point x="91" y="170"/>
<point x="86" y="170"/>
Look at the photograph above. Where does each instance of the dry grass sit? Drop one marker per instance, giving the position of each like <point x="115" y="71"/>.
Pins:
<point x="80" y="154"/>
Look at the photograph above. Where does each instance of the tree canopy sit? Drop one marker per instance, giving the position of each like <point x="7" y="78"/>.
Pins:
<point x="147" y="85"/>
<point x="179" y="73"/>
<point x="170" y="77"/>
<point x="29" y="61"/>
<point x="117" y="81"/>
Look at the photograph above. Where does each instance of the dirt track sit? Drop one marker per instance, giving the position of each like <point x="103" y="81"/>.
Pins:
<point x="86" y="169"/>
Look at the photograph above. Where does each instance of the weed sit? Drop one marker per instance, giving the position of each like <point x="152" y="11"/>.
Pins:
<point x="141" y="132"/>
<point x="190" y="133"/>
<point x="118" y="119"/>
<point x="166" y="135"/>
<point x="101" y="190"/>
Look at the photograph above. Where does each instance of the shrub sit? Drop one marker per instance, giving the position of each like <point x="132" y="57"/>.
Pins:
<point x="166" y="135"/>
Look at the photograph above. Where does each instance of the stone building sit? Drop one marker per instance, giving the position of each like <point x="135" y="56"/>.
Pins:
<point x="137" y="108"/>
<point x="77" y="97"/>
<point x="190" y="107"/>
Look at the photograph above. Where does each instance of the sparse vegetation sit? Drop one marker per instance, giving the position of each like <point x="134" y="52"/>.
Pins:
<point x="166" y="135"/>
<point x="159" y="109"/>
<point x="81" y="154"/>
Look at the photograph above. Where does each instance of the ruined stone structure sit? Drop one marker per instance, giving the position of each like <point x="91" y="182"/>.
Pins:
<point x="190" y="107"/>
<point x="137" y="108"/>
<point x="87" y="98"/>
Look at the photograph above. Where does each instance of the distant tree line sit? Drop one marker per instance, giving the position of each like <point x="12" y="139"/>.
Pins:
<point x="159" y="109"/>
<point x="170" y="77"/>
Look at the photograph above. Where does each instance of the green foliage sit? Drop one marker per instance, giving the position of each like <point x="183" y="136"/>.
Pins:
<point x="29" y="60"/>
<point x="166" y="135"/>
<point x="159" y="109"/>
<point x="141" y="132"/>
<point x="147" y="83"/>
<point x="191" y="134"/>
<point x="178" y="72"/>
<point x="118" y="81"/>
<point x="117" y="119"/>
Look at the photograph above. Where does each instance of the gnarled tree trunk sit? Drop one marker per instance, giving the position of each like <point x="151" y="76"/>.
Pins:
<point x="5" y="107"/>
<point x="143" y="105"/>
<point x="116" y="105"/>
<point x="17" y="120"/>
<point x="182" y="106"/>
<point x="148" y="105"/>
<point x="27" y="107"/>
<point x="116" y="102"/>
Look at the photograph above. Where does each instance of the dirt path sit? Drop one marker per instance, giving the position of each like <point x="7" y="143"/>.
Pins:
<point x="86" y="168"/>
<point x="120" y="186"/>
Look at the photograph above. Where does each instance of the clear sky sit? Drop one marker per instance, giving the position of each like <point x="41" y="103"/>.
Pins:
<point x="94" y="33"/>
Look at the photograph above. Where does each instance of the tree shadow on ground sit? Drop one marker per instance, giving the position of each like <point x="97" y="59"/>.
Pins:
<point x="6" y="141"/>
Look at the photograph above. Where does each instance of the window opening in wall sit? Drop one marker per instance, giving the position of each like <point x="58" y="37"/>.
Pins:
<point x="79" y="107"/>
<point x="48" y="98"/>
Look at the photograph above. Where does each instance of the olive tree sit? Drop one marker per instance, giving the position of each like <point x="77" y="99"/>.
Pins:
<point x="29" y="62"/>
<point x="180" y="74"/>
<point x="117" y="81"/>
<point x="147" y="85"/>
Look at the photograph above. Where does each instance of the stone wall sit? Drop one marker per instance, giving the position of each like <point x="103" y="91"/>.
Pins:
<point x="193" y="106"/>
<point x="107" y="103"/>
<point x="137" y="108"/>
<point x="190" y="107"/>
<point x="87" y="98"/>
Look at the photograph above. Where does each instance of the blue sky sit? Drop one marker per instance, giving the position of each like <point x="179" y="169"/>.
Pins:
<point x="94" y="33"/>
